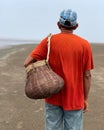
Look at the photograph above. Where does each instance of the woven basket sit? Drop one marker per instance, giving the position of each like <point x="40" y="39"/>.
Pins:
<point x="42" y="81"/>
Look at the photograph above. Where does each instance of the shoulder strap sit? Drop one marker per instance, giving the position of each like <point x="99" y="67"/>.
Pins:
<point x="48" y="44"/>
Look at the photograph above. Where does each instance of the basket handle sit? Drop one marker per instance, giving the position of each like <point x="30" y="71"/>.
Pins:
<point x="48" y="52"/>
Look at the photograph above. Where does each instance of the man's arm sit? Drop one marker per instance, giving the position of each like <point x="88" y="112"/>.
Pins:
<point x="28" y="61"/>
<point x="87" y="85"/>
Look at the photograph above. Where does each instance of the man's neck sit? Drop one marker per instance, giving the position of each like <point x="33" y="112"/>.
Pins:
<point x="66" y="31"/>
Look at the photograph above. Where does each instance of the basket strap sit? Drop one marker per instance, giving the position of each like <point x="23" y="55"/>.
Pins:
<point x="48" y="52"/>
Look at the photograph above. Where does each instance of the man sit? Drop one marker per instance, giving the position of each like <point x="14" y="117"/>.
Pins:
<point x="71" y="58"/>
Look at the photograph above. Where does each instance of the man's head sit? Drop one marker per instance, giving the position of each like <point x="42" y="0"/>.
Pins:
<point x="68" y="20"/>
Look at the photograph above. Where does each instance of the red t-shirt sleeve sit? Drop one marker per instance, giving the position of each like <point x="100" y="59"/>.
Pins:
<point x="88" y="58"/>
<point x="40" y="51"/>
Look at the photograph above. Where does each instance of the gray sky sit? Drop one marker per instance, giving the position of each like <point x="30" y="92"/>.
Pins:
<point x="34" y="19"/>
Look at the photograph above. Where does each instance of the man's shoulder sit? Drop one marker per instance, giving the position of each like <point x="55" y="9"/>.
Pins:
<point x="82" y="39"/>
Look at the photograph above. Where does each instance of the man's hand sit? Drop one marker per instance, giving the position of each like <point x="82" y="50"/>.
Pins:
<point x="85" y="106"/>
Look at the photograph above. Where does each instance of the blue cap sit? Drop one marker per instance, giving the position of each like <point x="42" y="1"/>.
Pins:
<point x="68" y="18"/>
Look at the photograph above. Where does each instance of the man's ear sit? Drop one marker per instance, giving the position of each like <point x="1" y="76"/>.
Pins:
<point x="59" y="25"/>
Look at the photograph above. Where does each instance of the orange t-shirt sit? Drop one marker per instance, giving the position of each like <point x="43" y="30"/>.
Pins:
<point x="70" y="56"/>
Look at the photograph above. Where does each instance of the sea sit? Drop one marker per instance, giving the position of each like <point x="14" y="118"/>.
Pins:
<point x="5" y="43"/>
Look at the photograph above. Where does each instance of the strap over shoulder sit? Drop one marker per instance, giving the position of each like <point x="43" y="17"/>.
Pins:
<point x="49" y="36"/>
<point x="48" y="44"/>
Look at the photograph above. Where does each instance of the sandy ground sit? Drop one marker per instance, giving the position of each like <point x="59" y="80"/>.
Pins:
<point x="17" y="112"/>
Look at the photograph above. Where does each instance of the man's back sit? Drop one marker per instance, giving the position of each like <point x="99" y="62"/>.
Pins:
<point x="69" y="57"/>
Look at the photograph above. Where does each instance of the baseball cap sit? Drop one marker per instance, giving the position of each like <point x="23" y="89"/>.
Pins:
<point x="68" y="18"/>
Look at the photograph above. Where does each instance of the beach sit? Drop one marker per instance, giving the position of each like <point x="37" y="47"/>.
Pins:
<point x="17" y="112"/>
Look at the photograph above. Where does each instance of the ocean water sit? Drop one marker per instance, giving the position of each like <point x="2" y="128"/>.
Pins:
<point x="5" y="43"/>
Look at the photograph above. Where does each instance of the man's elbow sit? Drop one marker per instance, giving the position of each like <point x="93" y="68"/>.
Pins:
<point x="87" y="75"/>
<point x="28" y="61"/>
<point x="25" y="65"/>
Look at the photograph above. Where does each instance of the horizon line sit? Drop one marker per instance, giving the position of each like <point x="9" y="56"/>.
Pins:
<point x="19" y="39"/>
<point x="32" y="40"/>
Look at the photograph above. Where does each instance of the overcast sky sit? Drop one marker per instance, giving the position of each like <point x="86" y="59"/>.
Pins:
<point x="34" y="19"/>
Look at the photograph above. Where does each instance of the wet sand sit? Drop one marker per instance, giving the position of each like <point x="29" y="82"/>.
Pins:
<point x="17" y="112"/>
